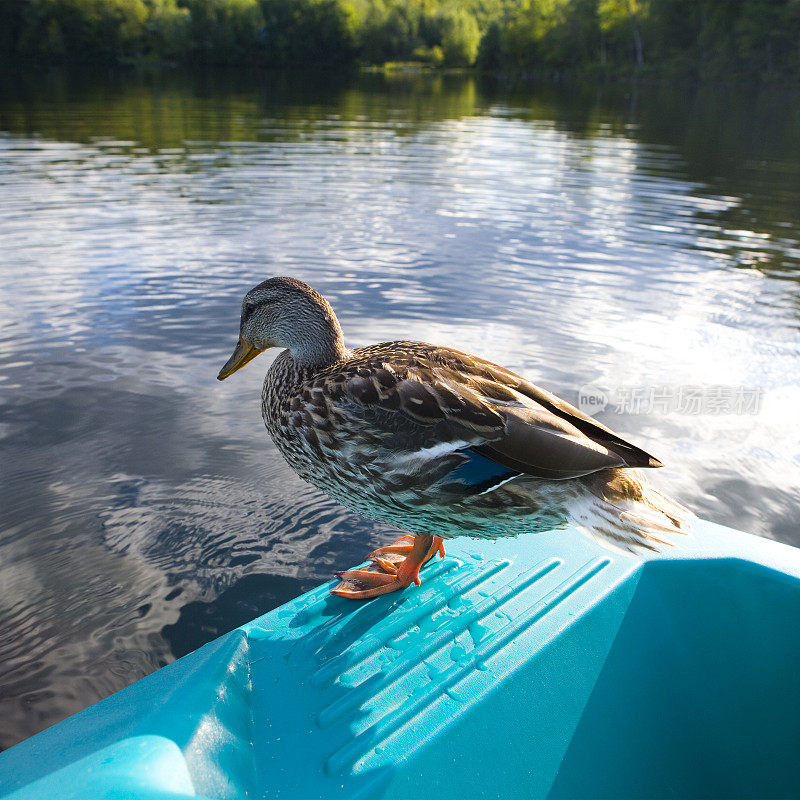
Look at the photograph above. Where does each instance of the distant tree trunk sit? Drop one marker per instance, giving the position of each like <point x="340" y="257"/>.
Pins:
<point x="602" y="48"/>
<point x="638" y="44"/>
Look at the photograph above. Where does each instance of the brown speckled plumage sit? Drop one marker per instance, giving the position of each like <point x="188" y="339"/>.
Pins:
<point x="437" y="441"/>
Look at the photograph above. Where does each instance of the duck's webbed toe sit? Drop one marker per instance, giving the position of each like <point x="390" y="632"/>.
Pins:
<point x="393" y="567"/>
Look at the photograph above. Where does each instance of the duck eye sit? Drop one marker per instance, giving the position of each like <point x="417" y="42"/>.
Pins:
<point x="250" y="305"/>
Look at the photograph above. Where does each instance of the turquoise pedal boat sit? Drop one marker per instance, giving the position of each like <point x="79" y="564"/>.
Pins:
<point x="544" y="666"/>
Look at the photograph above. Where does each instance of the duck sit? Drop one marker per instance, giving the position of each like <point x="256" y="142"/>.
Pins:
<point x="437" y="442"/>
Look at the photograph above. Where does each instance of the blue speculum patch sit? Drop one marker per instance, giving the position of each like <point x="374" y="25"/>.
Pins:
<point x="481" y="473"/>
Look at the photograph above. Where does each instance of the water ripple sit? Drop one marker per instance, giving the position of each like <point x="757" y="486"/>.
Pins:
<point x="575" y="239"/>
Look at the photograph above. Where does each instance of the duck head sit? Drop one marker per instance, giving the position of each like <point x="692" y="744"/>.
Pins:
<point x="284" y="312"/>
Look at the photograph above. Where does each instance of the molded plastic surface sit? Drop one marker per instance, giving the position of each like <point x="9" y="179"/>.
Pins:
<point x="544" y="666"/>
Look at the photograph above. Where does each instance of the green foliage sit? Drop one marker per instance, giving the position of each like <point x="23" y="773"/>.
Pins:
<point x="428" y="55"/>
<point x="80" y="30"/>
<point x="224" y="31"/>
<point x="418" y="30"/>
<point x="621" y="22"/>
<point x="168" y="30"/>
<point x="307" y="32"/>
<point x="460" y="38"/>
<point x="694" y="38"/>
<point x="717" y="39"/>
<point x="698" y="38"/>
<point x="490" y="49"/>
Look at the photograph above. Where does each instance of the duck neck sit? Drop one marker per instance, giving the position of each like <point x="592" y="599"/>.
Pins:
<point x="320" y="343"/>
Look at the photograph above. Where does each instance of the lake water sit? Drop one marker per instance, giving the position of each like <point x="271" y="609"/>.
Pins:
<point x="644" y="241"/>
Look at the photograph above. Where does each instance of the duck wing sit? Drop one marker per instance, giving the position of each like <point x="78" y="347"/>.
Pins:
<point x="494" y="381"/>
<point x="438" y="402"/>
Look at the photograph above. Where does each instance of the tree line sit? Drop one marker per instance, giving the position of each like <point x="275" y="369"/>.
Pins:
<point x="694" y="38"/>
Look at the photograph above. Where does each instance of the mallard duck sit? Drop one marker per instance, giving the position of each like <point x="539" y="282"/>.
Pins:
<point x="437" y="442"/>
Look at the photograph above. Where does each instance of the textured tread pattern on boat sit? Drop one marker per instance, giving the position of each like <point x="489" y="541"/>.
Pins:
<point x="408" y="660"/>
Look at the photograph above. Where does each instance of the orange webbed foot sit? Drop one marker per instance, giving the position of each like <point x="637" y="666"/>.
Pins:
<point x="393" y="567"/>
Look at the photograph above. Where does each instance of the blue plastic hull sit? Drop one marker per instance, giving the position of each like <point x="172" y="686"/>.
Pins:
<point x="544" y="666"/>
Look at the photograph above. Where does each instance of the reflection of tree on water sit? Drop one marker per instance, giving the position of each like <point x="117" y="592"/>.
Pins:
<point x="738" y="142"/>
<point x="575" y="232"/>
<point x="733" y="136"/>
<point x="168" y="109"/>
<point x="742" y="143"/>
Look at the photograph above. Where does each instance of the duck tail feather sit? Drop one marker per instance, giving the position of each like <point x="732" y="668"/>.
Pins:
<point x="631" y="516"/>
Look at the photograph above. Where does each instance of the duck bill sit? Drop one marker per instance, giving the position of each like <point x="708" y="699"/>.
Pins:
<point x="241" y="355"/>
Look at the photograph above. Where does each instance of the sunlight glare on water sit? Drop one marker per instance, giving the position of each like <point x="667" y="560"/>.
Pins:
<point x="609" y="238"/>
